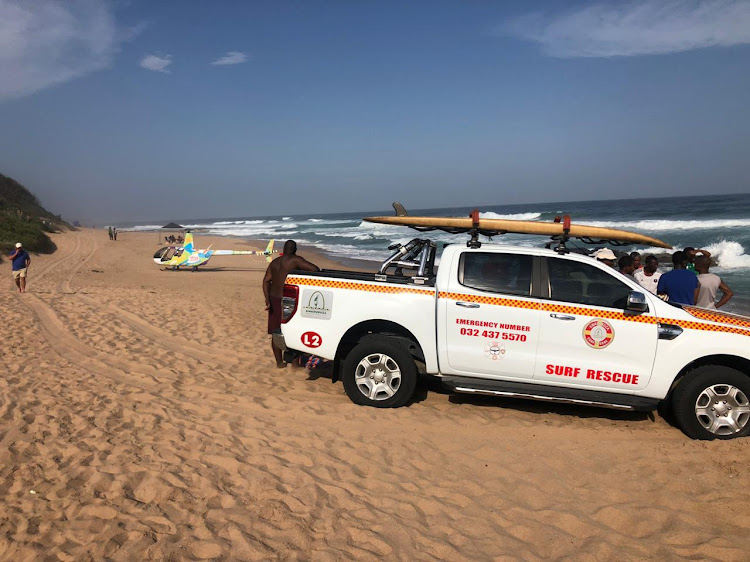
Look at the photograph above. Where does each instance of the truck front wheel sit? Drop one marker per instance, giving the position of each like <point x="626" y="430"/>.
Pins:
<point x="713" y="402"/>
<point x="379" y="372"/>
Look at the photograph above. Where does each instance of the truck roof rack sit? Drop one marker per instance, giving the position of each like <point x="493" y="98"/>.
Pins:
<point x="418" y="254"/>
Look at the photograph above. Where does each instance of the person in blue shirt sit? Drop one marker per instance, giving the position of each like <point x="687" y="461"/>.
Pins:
<point x="680" y="285"/>
<point x="20" y="260"/>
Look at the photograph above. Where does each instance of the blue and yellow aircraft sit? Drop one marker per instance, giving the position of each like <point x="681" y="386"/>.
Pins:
<point x="186" y="255"/>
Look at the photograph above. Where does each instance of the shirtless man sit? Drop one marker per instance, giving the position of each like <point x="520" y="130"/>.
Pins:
<point x="273" y="288"/>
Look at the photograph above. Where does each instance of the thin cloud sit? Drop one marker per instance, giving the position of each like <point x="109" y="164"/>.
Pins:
<point x="48" y="42"/>
<point x="650" y="27"/>
<point x="157" y="63"/>
<point x="232" y="57"/>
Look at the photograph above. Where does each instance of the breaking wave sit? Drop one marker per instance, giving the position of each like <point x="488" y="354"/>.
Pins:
<point x="514" y="216"/>
<point x="729" y="255"/>
<point x="664" y="225"/>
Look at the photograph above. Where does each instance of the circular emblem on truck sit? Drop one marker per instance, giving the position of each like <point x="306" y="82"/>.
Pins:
<point x="598" y="333"/>
<point x="494" y="350"/>
<point x="311" y="339"/>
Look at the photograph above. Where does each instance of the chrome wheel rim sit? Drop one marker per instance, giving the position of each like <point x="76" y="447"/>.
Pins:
<point x="723" y="409"/>
<point x="378" y="376"/>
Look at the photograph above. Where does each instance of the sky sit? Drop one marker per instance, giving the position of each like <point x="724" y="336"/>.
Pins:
<point x="140" y="110"/>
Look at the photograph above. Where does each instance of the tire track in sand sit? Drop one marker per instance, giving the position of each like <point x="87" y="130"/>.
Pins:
<point x="178" y="345"/>
<point x="145" y="329"/>
<point x="64" y="286"/>
<point x="142" y="377"/>
<point x="66" y="256"/>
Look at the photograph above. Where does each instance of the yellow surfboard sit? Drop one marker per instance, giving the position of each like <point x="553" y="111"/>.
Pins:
<point x="504" y="226"/>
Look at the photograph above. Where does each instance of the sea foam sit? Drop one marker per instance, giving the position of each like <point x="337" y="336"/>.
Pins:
<point x="663" y="225"/>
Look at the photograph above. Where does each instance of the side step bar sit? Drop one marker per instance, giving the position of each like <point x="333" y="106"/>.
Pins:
<point x="511" y="389"/>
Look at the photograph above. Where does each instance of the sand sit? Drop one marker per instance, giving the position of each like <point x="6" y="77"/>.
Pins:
<point x="142" y="417"/>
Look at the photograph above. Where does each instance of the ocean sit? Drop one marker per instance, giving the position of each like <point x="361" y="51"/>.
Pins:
<point x="719" y="224"/>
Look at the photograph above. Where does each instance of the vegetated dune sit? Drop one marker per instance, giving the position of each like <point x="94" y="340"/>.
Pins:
<point x="23" y="219"/>
<point x="143" y="418"/>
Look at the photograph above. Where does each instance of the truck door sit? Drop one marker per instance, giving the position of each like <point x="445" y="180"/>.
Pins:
<point x="586" y="337"/>
<point x="488" y="322"/>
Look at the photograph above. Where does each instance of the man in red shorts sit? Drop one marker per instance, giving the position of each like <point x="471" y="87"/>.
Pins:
<point x="273" y="288"/>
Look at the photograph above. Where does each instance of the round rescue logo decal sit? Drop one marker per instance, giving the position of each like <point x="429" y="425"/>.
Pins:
<point x="494" y="350"/>
<point x="598" y="333"/>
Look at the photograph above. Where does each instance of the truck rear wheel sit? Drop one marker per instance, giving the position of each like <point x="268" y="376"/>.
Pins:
<point x="379" y="372"/>
<point x="713" y="402"/>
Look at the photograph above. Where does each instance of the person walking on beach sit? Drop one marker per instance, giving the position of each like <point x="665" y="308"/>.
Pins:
<point x="20" y="261"/>
<point x="114" y="233"/>
<point x="273" y="288"/>
<point x="648" y="276"/>
<point x="110" y="233"/>
<point x="679" y="285"/>
<point x="710" y="283"/>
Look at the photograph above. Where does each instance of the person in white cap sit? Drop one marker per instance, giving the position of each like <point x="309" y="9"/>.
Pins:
<point x="20" y="260"/>
<point x="606" y="256"/>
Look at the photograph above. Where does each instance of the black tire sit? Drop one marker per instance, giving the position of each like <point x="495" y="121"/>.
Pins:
<point x="666" y="410"/>
<point x="707" y="383"/>
<point x="394" y="373"/>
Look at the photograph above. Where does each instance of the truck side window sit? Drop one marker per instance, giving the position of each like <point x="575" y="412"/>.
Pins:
<point x="572" y="281"/>
<point x="509" y="274"/>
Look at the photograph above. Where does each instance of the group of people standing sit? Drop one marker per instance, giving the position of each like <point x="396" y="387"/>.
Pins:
<point x="112" y="233"/>
<point x="688" y="282"/>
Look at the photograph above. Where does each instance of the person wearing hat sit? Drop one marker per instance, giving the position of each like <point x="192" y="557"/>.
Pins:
<point x="20" y="260"/>
<point x="606" y="256"/>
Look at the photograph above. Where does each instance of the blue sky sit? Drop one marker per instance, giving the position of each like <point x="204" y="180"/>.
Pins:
<point x="113" y="111"/>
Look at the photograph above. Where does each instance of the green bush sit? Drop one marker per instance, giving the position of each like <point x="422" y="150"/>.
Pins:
<point x="23" y="219"/>
<point x="30" y="232"/>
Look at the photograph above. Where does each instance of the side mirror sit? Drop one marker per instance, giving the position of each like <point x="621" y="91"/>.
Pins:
<point x="636" y="302"/>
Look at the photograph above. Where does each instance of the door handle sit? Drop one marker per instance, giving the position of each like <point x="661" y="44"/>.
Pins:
<point x="562" y="316"/>
<point x="467" y="304"/>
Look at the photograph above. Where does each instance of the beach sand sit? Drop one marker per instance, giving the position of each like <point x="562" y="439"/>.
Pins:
<point x="142" y="417"/>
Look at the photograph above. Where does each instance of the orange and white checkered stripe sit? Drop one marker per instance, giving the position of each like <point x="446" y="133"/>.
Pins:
<point x="549" y="307"/>
<point x="716" y="316"/>
<point x="542" y="305"/>
<point x="352" y="286"/>
<point x="512" y="303"/>
<point x="609" y="314"/>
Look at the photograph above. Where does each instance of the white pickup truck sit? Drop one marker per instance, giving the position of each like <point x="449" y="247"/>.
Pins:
<point x="525" y="323"/>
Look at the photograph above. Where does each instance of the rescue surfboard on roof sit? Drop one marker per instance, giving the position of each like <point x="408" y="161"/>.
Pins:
<point x="493" y="227"/>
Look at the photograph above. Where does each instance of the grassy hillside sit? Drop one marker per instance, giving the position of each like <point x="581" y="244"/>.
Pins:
<point x="23" y="219"/>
